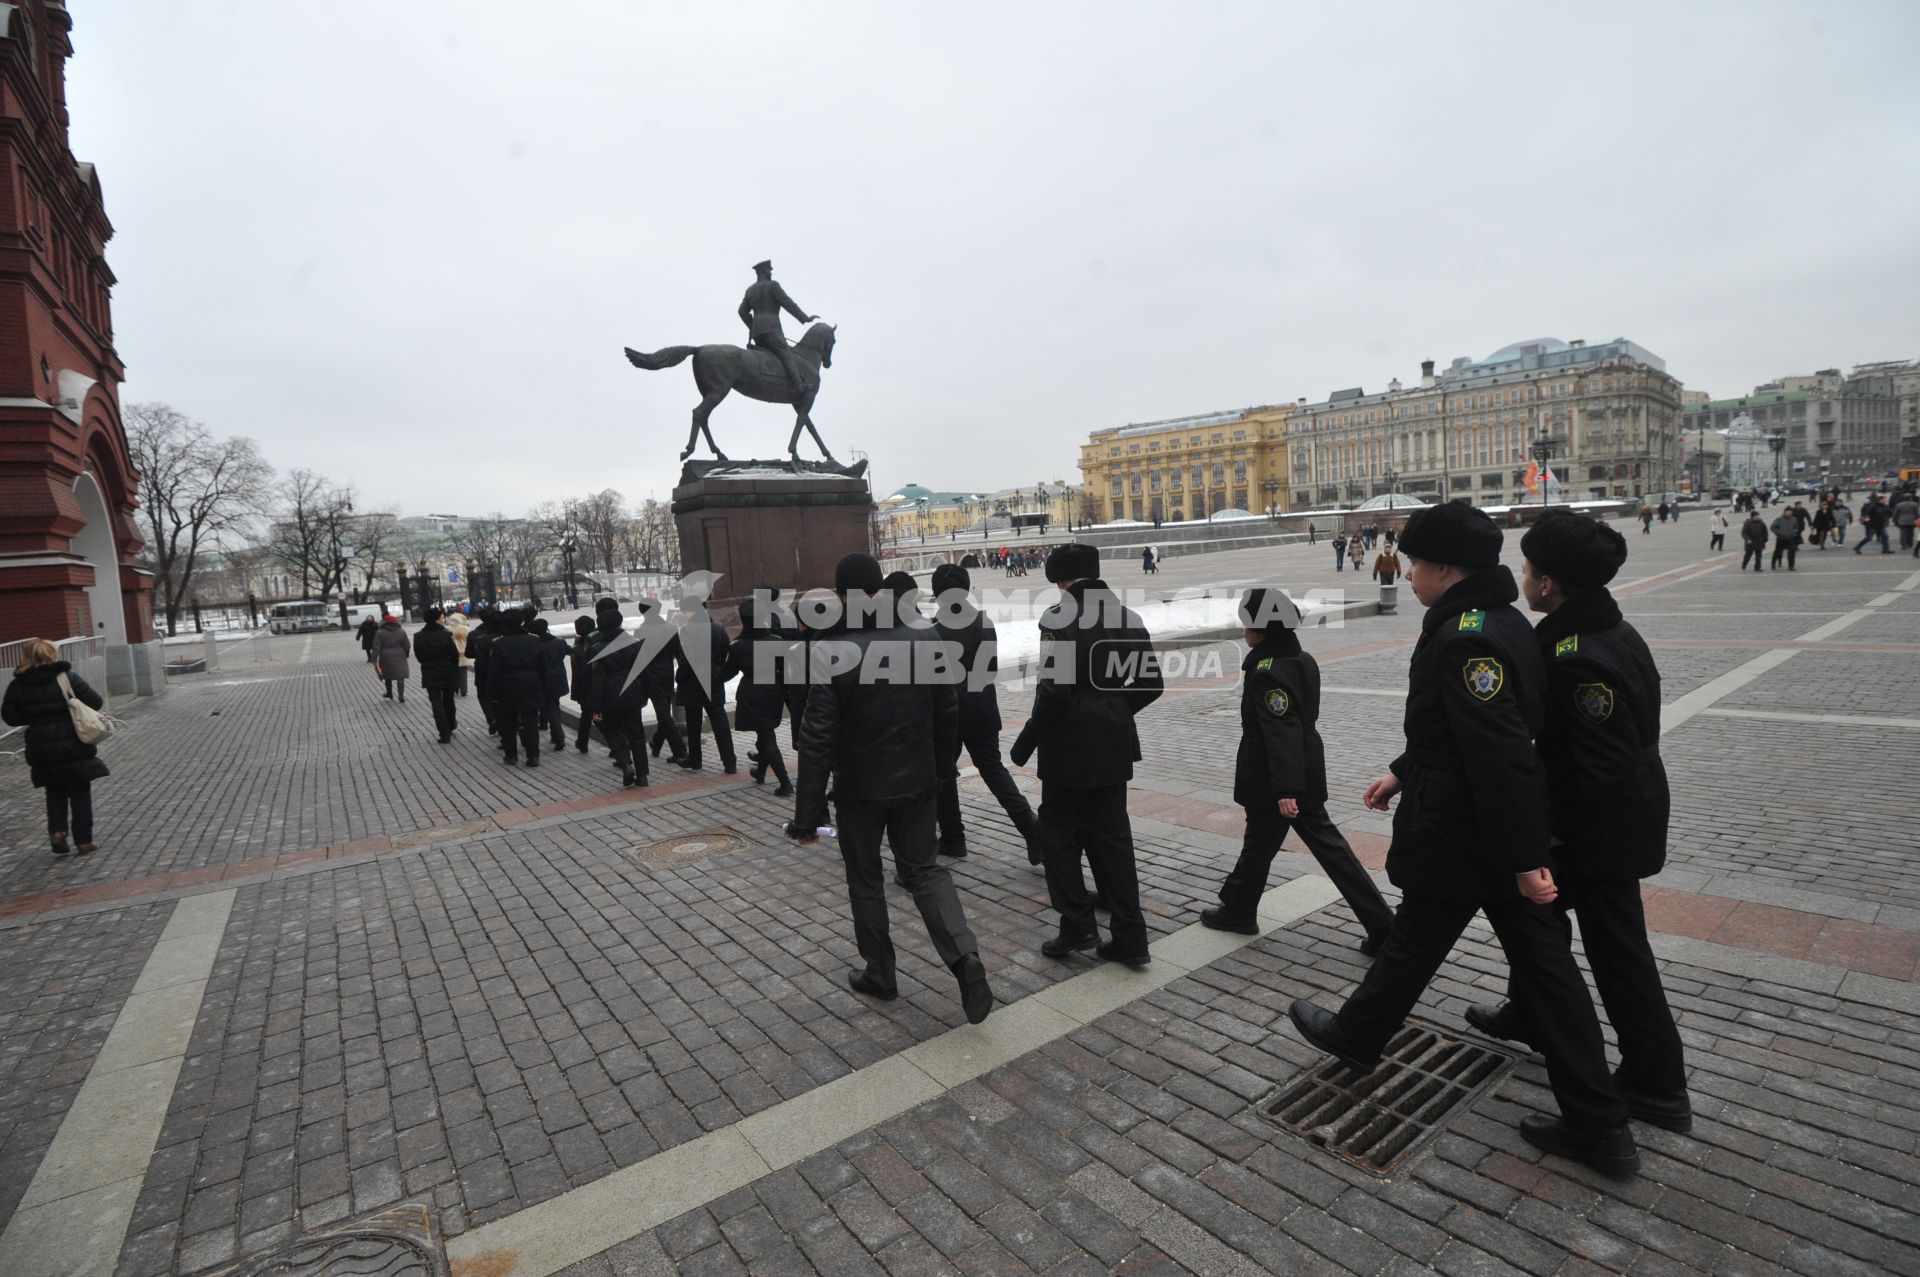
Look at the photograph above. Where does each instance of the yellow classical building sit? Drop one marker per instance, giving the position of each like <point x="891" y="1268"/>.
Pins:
<point x="1189" y="467"/>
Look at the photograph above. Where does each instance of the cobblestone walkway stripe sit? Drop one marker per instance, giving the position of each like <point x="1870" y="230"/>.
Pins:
<point x="74" y="1216"/>
<point x="563" y="1230"/>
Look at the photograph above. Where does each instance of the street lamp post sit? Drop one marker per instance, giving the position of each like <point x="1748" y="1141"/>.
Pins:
<point x="567" y="546"/>
<point x="1778" y="442"/>
<point x="1271" y="487"/>
<point x="1392" y="479"/>
<point x="340" y="585"/>
<point x="1543" y="449"/>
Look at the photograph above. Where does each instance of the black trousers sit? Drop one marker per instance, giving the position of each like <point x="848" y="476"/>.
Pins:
<point x="1613" y="925"/>
<point x="907" y="825"/>
<point x="1267" y="829"/>
<point x="626" y="733"/>
<point x="1753" y="556"/>
<point x="766" y="743"/>
<point x="722" y="731"/>
<point x="550" y="719"/>
<point x="393" y="683"/>
<point x="1717" y="541"/>
<point x="519" y="723"/>
<point x="443" y="715"/>
<point x="78" y="798"/>
<point x="665" y="728"/>
<point x="982" y="745"/>
<point x="1095" y="819"/>
<point x="1551" y="993"/>
<point x="585" y="731"/>
<point x="1789" y="548"/>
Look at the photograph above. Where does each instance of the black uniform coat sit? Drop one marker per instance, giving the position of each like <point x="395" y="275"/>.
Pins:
<point x="873" y="727"/>
<point x="556" y="650"/>
<point x="603" y="681"/>
<point x="1601" y="743"/>
<point x="1280" y="751"/>
<point x="439" y="658"/>
<point x="1473" y="796"/>
<point x="979" y="648"/>
<point x="55" y="753"/>
<point x="695" y="685"/>
<point x="517" y="672"/>
<point x="1098" y="670"/>
<point x="758" y="703"/>
<point x="480" y="641"/>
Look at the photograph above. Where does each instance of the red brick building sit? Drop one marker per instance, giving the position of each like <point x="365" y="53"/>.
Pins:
<point x="67" y="485"/>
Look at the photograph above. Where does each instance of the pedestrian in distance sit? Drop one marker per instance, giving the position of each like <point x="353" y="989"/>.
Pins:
<point x="480" y="640"/>
<point x="1386" y="566"/>
<point x="700" y="684"/>
<point x="1340" y="552"/>
<point x="516" y="685"/>
<point x="1753" y="536"/>
<point x="1280" y="775"/>
<point x="875" y="730"/>
<point x="661" y="642"/>
<point x="1822" y="524"/>
<point x="971" y="632"/>
<point x="1906" y="513"/>
<point x="759" y="658"/>
<point x="368" y="628"/>
<point x="439" y="658"/>
<point x="392" y="647"/>
<point x="1646" y="518"/>
<point x="1097" y="672"/>
<point x="1786" y="539"/>
<point x="1471" y="834"/>
<point x="1842" y="519"/>
<point x="457" y="626"/>
<point x="58" y="761"/>
<point x="1313" y="533"/>
<point x="1607" y="790"/>
<point x="616" y="698"/>
<point x="1716" y="530"/>
<point x="578" y="679"/>
<point x="1873" y="525"/>
<point x="1146" y="559"/>
<point x="558" y="656"/>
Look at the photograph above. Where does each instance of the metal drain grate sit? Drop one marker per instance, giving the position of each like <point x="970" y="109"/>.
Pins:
<point x="687" y="848"/>
<point x="1375" y="1121"/>
<point x="400" y="1241"/>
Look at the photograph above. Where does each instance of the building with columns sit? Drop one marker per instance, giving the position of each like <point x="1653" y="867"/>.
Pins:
<point x="1833" y="427"/>
<point x="1189" y="467"/>
<point x="68" y="540"/>
<point x="1609" y="416"/>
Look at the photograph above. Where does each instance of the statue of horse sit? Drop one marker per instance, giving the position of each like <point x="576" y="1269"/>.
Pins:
<point x="757" y="374"/>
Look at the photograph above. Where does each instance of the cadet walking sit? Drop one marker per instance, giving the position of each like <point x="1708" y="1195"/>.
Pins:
<point x="1608" y="791"/>
<point x="1280" y="775"/>
<point x="439" y="658"/>
<point x="1471" y="835"/>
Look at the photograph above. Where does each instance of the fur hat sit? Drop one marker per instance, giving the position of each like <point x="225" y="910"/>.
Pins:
<point x="1263" y="609"/>
<point x="901" y="583"/>
<point x="1453" y="534"/>
<point x="1574" y="551"/>
<point x="1073" y="563"/>
<point x="950" y="576"/>
<point x="858" y="572"/>
<point x="607" y="605"/>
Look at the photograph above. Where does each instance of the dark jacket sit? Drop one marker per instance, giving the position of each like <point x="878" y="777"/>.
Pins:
<point x="759" y="657"/>
<point x="979" y="655"/>
<point x="604" y="678"/>
<point x="1601" y="743"/>
<point x="439" y="658"/>
<point x="873" y="726"/>
<point x="368" y="628"/>
<point x="1473" y="796"/>
<point x="697" y="682"/>
<point x="556" y="651"/>
<point x="1280" y="751"/>
<point x="480" y="641"/>
<point x="55" y="752"/>
<point x="1754" y="531"/>
<point x="516" y="677"/>
<point x="391" y="647"/>
<point x="1097" y="670"/>
<point x="580" y="684"/>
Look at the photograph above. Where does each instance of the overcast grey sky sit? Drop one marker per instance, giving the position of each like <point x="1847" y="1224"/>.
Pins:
<point x="403" y="244"/>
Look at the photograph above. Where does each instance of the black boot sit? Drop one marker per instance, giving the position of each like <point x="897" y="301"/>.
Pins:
<point x="1669" y="1112"/>
<point x="1221" y="920"/>
<point x="1611" y="1152"/>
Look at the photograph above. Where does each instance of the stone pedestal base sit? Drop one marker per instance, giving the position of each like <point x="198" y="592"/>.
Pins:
<point x="756" y="523"/>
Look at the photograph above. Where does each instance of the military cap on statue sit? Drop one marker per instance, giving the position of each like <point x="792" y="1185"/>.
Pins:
<point x="766" y="266"/>
<point x="1573" y="550"/>
<point x="1454" y="534"/>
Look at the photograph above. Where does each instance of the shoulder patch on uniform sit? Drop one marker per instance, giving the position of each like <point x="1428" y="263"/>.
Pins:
<point x="1485" y="677"/>
<point x="1567" y="646"/>
<point x="1474" y="621"/>
<point x="1595" y="700"/>
<point x="1277" y="702"/>
<point x="1266" y="663"/>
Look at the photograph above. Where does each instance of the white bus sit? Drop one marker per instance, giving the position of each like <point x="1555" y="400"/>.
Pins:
<point x="298" y="618"/>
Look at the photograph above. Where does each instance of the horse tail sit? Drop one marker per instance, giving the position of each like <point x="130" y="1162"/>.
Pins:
<point x="660" y="358"/>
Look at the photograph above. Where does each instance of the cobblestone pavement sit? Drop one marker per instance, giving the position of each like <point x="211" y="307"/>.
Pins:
<point x="446" y="982"/>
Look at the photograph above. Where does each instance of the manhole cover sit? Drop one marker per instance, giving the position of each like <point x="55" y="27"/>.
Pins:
<point x="1425" y="1076"/>
<point x="687" y="848"/>
<point x="397" y="1242"/>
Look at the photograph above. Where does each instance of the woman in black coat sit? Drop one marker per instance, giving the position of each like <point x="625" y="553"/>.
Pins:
<point x="62" y="764"/>
<point x="439" y="658"/>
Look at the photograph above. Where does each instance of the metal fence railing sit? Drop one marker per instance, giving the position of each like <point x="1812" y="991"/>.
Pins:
<point x="84" y="647"/>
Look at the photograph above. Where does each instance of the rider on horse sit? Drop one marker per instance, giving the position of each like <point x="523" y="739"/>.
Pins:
<point x="760" y="312"/>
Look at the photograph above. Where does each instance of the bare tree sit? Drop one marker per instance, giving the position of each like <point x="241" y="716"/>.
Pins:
<point x="196" y="492"/>
<point x="528" y="545"/>
<point x="371" y="533"/>
<point x="311" y="534"/>
<point x="600" y="518"/>
<point x="657" y="540"/>
<point x="1089" y="507"/>
<point x="482" y="542"/>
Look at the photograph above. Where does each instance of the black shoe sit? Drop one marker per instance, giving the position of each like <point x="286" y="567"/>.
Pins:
<point x="446" y="740"/>
<point x="559" y="745"/>
<point x="1372" y="945"/>
<point x="1504" y="1022"/>
<point x="785" y="791"/>
<point x="862" y="982"/>
<point x="509" y="759"/>
<point x="731" y="769"/>
<point x="686" y="764"/>
<point x="953" y="848"/>
<point x="759" y="774"/>
<point x="658" y="741"/>
<point x="976" y="998"/>
<point x="581" y="746"/>
<point x="1611" y="1152"/>
<point x="60" y="847"/>
<point x="1111" y="952"/>
<point x="628" y="780"/>
<point x="533" y="760"/>
<point x="1322" y="1029"/>
<point x="1668" y="1112"/>
<point x="753" y="755"/>
<point x="1221" y="920"/>
<point x="387" y="696"/>
<point x="1066" y="942"/>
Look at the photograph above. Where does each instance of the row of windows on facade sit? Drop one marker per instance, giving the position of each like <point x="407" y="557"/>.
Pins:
<point x="1886" y="410"/>
<point x="1197" y="441"/>
<point x="1435" y="405"/>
